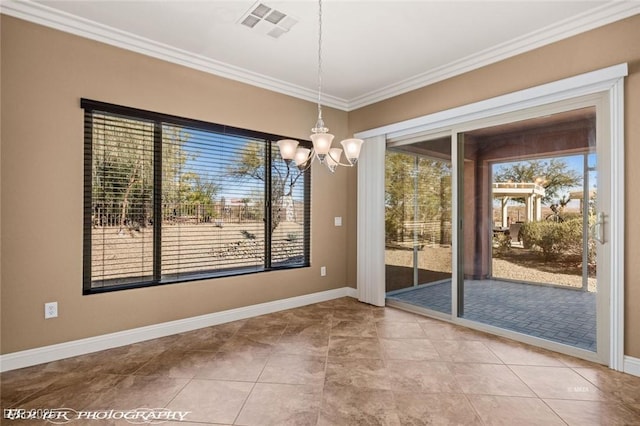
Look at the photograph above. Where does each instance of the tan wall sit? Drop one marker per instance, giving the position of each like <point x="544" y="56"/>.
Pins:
<point x="609" y="45"/>
<point x="44" y="74"/>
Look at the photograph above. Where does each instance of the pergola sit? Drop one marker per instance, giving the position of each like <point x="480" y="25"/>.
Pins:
<point x="532" y="193"/>
<point x="579" y="195"/>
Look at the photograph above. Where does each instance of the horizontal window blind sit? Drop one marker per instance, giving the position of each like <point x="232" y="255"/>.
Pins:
<point x="290" y="236"/>
<point x="170" y="199"/>
<point x="213" y="191"/>
<point x="122" y="200"/>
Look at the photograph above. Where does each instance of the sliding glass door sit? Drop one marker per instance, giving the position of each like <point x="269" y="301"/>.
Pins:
<point x="529" y="208"/>
<point x="526" y="192"/>
<point x="418" y="215"/>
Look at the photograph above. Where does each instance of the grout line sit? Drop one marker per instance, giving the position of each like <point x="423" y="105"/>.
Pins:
<point x="326" y="366"/>
<point x="326" y="356"/>
<point x="257" y="380"/>
<point x="473" y="407"/>
<point x="554" y="411"/>
<point x="179" y="392"/>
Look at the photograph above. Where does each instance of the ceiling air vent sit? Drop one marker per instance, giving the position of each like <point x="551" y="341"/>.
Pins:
<point x="250" y="21"/>
<point x="268" y="21"/>
<point x="275" y="17"/>
<point x="260" y="10"/>
<point x="276" y="32"/>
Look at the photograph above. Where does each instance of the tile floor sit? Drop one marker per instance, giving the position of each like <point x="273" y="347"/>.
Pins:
<point x="334" y="363"/>
<point x="553" y="313"/>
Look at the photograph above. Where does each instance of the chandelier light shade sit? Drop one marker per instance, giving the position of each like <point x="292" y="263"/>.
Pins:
<point x="333" y="158"/>
<point x="287" y="149"/>
<point x="302" y="156"/>
<point x="352" y="149"/>
<point x="321" y="143"/>
<point x="320" y="137"/>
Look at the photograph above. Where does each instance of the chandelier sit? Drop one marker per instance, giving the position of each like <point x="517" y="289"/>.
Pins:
<point x="320" y="137"/>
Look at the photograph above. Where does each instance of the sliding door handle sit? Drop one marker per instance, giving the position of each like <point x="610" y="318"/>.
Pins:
<point x="598" y="228"/>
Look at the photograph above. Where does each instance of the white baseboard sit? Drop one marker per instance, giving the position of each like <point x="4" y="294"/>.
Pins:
<point x="632" y="365"/>
<point x="351" y="292"/>
<point x="27" y="358"/>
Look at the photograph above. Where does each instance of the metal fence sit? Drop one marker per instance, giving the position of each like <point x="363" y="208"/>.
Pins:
<point x="421" y="233"/>
<point x="187" y="213"/>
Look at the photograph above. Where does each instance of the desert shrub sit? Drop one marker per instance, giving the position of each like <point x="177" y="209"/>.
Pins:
<point x="572" y="216"/>
<point x="554" y="239"/>
<point x="391" y="227"/>
<point x="502" y="243"/>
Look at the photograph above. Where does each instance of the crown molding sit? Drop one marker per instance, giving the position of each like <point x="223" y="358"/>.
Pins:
<point x="597" y="17"/>
<point x="41" y="14"/>
<point x="59" y="20"/>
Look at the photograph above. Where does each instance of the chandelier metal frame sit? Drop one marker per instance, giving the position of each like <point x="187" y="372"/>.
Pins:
<point x="320" y="137"/>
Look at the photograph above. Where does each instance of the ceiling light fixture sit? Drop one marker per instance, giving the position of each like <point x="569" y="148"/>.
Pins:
<point x="322" y="150"/>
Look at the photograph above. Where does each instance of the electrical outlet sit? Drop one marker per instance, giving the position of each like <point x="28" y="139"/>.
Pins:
<point x="50" y="310"/>
<point x="337" y="221"/>
<point x="323" y="271"/>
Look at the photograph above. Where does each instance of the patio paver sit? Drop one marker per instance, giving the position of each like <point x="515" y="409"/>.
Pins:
<point x="552" y="313"/>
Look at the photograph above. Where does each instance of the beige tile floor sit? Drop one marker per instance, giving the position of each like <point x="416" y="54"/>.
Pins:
<point x="334" y="363"/>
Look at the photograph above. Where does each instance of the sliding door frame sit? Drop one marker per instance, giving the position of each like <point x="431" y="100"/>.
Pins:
<point x="599" y="101"/>
<point x="607" y="82"/>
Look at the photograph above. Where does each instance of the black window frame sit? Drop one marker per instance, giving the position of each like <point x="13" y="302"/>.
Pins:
<point x="90" y="106"/>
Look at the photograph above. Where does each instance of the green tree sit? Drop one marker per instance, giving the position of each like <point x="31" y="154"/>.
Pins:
<point x="417" y="189"/>
<point x="123" y="170"/>
<point x="122" y="181"/>
<point x="553" y="175"/>
<point x="176" y="181"/>
<point x="434" y="196"/>
<point x="199" y="189"/>
<point x="284" y="176"/>
<point x="398" y="194"/>
<point x="182" y="187"/>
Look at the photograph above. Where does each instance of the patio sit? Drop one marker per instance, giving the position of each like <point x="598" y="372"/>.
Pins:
<point x="558" y="314"/>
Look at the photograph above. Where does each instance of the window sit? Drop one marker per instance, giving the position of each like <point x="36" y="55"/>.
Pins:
<point x="169" y="199"/>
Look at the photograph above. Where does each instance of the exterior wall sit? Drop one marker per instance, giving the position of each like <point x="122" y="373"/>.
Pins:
<point x="609" y="45"/>
<point x="43" y="76"/>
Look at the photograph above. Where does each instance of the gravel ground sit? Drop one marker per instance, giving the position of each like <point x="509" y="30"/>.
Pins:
<point x="203" y="247"/>
<point x="433" y="258"/>
<point x="508" y="270"/>
<point x="438" y="259"/>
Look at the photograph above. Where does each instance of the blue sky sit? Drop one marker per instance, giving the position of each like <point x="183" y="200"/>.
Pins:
<point x="211" y="155"/>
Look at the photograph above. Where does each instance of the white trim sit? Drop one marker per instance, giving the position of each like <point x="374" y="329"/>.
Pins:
<point x="617" y="225"/>
<point x="50" y="353"/>
<point x="571" y="87"/>
<point x="632" y="365"/>
<point x="44" y="15"/>
<point x="351" y="292"/>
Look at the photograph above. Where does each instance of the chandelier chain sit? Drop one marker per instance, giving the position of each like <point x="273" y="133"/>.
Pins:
<point x="321" y="138"/>
<point x="320" y="59"/>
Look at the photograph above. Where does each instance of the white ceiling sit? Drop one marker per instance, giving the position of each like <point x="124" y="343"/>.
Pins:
<point x="372" y="50"/>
